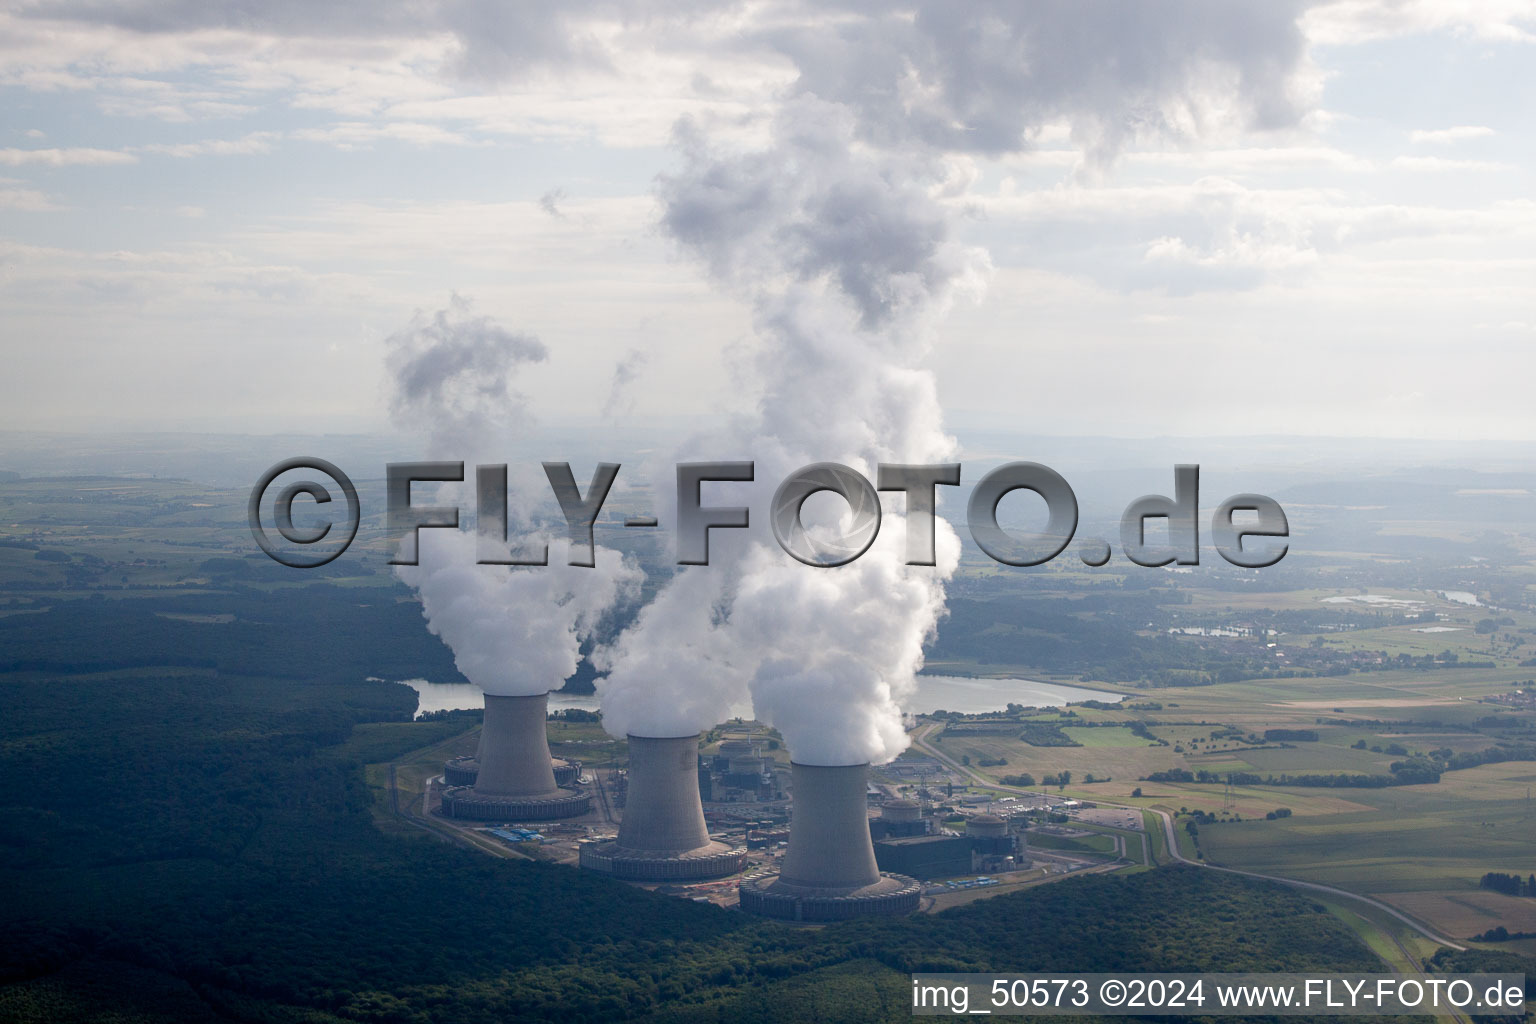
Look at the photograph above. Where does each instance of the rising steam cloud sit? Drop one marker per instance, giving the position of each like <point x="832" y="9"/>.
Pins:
<point x="513" y="631"/>
<point x="841" y="234"/>
<point x="848" y="262"/>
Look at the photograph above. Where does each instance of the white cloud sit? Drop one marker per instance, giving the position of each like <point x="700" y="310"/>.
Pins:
<point x="24" y="199"/>
<point x="360" y="134"/>
<point x="1436" y="164"/>
<point x="1347" y="22"/>
<point x="1440" y="136"/>
<point x="1163" y="170"/>
<point x="64" y="157"/>
<point x="256" y="142"/>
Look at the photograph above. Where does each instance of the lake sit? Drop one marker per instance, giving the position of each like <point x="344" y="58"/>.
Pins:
<point x="951" y="693"/>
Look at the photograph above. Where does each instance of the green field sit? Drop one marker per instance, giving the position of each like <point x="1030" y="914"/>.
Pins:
<point x="1106" y="737"/>
<point x="1408" y="838"/>
<point x="1099" y="844"/>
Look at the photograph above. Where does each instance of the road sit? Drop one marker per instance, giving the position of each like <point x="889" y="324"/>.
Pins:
<point x="920" y="740"/>
<point x="412" y="811"/>
<point x="1173" y="850"/>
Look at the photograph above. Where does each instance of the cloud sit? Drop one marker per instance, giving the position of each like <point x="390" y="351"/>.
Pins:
<point x="849" y="262"/>
<point x="810" y="208"/>
<point x="1350" y="22"/>
<point x="625" y="373"/>
<point x="1217" y="233"/>
<point x="514" y="631"/>
<point x="25" y="199"/>
<point x="75" y="157"/>
<point x="984" y="77"/>
<point x="840" y="232"/>
<point x="255" y="142"/>
<point x="361" y="134"/>
<point x="550" y="202"/>
<point x="518" y="630"/>
<point x="1436" y="164"/>
<point x="1441" y="136"/>
<point x="452" y="376"/>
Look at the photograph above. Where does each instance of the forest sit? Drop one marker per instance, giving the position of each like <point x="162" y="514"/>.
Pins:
<point x="188" y="840"/>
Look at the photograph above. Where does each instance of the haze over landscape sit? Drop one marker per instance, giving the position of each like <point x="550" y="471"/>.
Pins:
<point x="468" y="773"/>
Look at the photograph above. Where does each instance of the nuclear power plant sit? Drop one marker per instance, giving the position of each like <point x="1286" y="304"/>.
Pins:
<point x="662" y="835"/>
<point x="515" y="776"/>
<point x="829" y="871"/>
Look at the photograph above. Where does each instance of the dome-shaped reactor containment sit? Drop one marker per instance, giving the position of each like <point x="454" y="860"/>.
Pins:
<point x="986" y="825"/>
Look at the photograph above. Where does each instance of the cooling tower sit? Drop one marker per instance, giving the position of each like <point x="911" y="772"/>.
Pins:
<point x="829" y="871"/>
<point x="515" y="780"/>
<point x="662" y="835"/>
<point x="465" y="769"/>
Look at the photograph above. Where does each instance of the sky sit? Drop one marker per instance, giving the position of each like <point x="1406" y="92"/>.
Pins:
<point x="1182" y="218"/>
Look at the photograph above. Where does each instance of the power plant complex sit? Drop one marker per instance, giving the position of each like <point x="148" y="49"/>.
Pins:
<point x="833" y="862"/>
<point x="662" y="834"/>
<point x="829" y="871"/>
<point x="515" y="776"/>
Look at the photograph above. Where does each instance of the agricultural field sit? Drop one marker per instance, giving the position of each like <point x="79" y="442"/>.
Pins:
<point x="1420" y="847"/>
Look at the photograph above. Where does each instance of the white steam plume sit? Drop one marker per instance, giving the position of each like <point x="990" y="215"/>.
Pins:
<point x="514" y="631"/>
<point x="840" y="234"/>
<point x="625" y="372"/>
<point x="848" y="261"/>
<point x="451" y="376"/>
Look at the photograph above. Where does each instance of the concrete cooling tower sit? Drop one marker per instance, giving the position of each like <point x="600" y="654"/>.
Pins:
<point x="662" y="835"/>
<point x="829" y="871"/>
<point x="465" y="770"/>
<point x="515" y="780"/>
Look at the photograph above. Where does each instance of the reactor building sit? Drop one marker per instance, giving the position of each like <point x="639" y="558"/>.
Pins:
<point x="662" y="835"/>
<point x="515" y="778"/>
<point x="829" y="871"/>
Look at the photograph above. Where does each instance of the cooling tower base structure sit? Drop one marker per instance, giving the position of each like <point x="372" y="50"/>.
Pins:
<point x="829" y="871"/>
<point x="515" y="776"/>
<point x="771" y="896"/>
<point x="662" y="835"/>
<point x="463" y="803"/>
<point x="714" y="860"/>
<point x="465" y="771"/>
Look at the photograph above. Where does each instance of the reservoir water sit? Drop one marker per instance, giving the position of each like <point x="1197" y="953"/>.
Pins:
<point x="950" y="693"/>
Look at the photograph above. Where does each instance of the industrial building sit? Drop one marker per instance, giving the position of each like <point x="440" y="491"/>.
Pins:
<point x="995" y="843"/>
<point x="829" y="871"/>
<point x="738" y="773"/>
<point x="732" y="748"/>
<point x="515" y="780"/>
<point x="926" y="856"/>
<point x="899" y="818"/>
<point x="989" y="843"/>
<point x="662" y="834"/>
